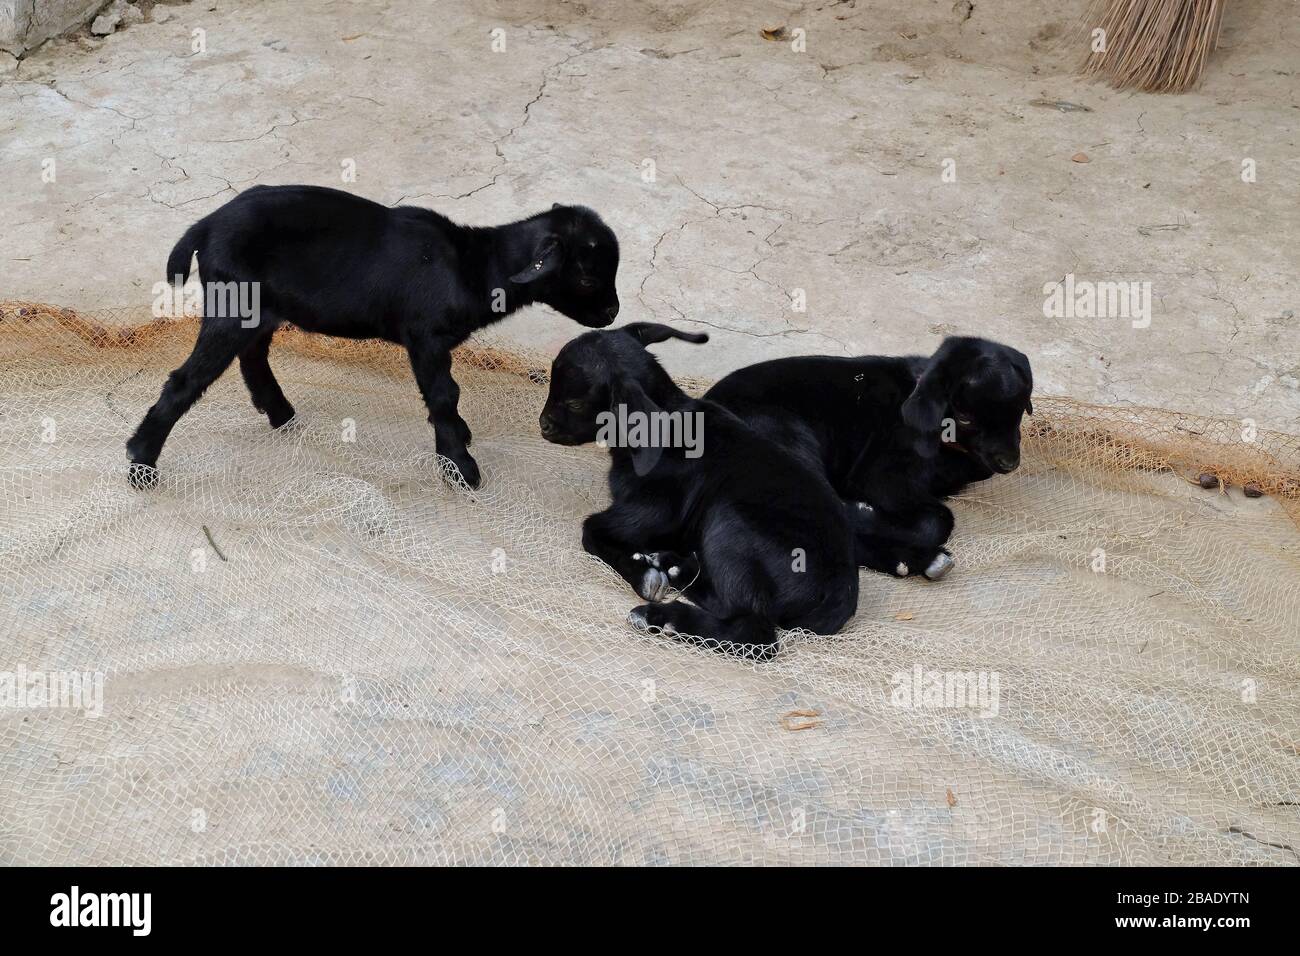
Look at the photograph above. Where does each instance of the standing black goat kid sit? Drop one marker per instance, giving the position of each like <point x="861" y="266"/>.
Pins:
<point x="894" y="436"/>
<point x="330" y="262"/>
<point x="749" y="532"/>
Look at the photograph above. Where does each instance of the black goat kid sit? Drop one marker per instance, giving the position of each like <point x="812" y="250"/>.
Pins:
<point x="753" y="535"/>
<point x="895" y="434"/>
<point x="330" y="262"/>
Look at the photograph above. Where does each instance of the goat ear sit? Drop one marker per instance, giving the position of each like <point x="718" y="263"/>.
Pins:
<point x="1020" y="362"/>
<point x="546" y="260"/>
<point x="648" y="333"/>
<point x="923" y="410"/>
<point x="632" y="397"/>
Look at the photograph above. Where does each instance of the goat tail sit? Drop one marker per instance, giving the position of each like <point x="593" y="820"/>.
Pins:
<point x="178" y="263"/>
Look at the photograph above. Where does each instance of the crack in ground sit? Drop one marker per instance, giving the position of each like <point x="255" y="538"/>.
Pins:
<point x="718" y="210"/>
<point x="274" y="129"/>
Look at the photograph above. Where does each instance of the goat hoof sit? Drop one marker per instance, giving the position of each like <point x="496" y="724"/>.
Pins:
<point x="469" y="473"/>
<point x="940" y="566"/>
<point x="288" y="421"/>
<point x="654" y="584"/>
<point x="142" y="476"/>
<point x="648" y="616"/>
<point x="667" y="569"/>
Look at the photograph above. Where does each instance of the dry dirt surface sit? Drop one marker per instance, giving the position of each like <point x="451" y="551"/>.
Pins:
<point x="882" y="175"/>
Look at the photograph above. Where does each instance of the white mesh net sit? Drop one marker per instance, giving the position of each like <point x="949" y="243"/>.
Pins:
<point x="358" y="662"/>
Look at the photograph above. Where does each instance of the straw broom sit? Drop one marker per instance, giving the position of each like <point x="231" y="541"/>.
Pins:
<point x="1159" y="46"/>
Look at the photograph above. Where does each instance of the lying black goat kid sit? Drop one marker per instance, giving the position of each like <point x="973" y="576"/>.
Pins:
<point x="754" y="535"/>
<point x="895" y="434"/>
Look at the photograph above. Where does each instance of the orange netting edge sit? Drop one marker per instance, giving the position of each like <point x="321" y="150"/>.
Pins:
<point x="1062" y="431"/>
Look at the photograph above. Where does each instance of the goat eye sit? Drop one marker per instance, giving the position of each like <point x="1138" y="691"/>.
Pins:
<point x="963" y="421"/>
<point x="575" y="404"/>
<point x="586" y="282"/>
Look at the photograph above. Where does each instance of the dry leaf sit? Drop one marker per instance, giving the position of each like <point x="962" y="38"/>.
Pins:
<point x="1081" y="158"/>
<point x="789" y="722"/>
<point x="952" y="798"/>
<point x="904" y="616"/>
<point x="774" y="33"/>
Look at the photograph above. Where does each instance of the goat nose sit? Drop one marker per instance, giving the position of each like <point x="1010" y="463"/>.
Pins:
<point x="611" y="313"/>
<point x="546" y="426"/>
<point x="1007" y="462"/>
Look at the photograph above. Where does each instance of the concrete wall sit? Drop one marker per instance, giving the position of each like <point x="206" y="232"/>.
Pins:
<point x="26" y="24"/>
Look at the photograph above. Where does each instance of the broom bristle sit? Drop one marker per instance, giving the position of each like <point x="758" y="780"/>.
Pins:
<point x="1160" y="46"/>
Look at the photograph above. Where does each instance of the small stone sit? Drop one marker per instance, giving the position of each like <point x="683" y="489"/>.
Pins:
<point x="1080" y="158"/>
<point x="1207" y="480"/>
<point x="1252" y="490"/>
<point x="161" y="14"/>
<point x="108" y="21"/>
<point x="132" y="15"/>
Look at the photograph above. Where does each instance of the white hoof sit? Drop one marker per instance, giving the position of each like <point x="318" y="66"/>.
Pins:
<point x="655" y="586"/>
<point x="940" y="566"/>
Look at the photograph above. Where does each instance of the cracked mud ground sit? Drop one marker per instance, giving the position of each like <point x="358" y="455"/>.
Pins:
<point x="778" y="175"/>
